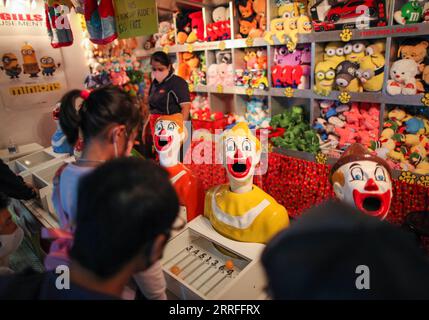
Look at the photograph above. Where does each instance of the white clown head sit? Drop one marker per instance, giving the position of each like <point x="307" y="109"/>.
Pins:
<point x="242" y="153"/>
<point x="168" y="137"/>
<point x="363" y="180"/>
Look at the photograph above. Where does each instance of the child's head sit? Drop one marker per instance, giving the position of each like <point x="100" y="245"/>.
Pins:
<point x="107" y="115"/>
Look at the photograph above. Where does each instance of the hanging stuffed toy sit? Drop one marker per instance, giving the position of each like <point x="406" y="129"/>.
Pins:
<point x="100" y="20"/>
<point x="57" y="22"/>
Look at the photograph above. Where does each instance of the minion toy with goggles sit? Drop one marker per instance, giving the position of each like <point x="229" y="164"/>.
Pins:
<point x="11" y="66"/>
<point x="48" y="66"/>
<point x="31" y="66"/>
<point x="240" y="210"/>
<point x="325" y="76"/>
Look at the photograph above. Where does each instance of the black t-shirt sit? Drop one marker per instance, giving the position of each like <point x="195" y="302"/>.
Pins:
<point x="168" y="96"/>
<point x="41" y="286"/>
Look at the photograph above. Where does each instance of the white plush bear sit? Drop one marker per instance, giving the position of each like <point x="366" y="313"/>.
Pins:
<point x="403" y="77"/>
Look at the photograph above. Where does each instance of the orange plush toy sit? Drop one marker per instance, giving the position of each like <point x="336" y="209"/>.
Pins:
<point x="168" y="137"/>
<point x="189" y="63"/>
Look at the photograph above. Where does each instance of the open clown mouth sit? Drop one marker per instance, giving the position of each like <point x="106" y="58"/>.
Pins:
<point x="239" y="168"/>
<point x="374" y="204"/>
<point x="163" y="142"/>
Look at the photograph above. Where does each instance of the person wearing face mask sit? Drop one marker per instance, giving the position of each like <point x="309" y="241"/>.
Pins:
<point x="11" y="235"/>
<point x="168" y="93"/>
<point x="108" y="119"/>
<point x="125" y="212"/>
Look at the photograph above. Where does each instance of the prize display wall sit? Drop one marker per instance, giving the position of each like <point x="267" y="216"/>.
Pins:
<point x="277" y="78"/>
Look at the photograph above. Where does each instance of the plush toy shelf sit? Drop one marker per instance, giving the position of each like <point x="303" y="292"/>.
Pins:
<point x="279" y="99"/>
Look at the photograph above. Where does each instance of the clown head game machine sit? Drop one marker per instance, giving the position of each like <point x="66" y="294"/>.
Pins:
<point x="217" y="255"/>
<point x="363" y="180"/>
<point x="169" y="135"/>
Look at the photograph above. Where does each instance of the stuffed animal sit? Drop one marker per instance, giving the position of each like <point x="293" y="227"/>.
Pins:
<point x="334" y="51"/>
<point x="219" y="29"/>
<point x="346" y="79"/>
<point x="288" y="10"/>
<point x="246" y="27"/>
<point x="223" y="57"/>
<point x="354" y="51"/>
<point x="417" y="51"/>
<point x="371" y="71"/>
<point x="304" y="24"/>
<point x="259" y="7"/>
<point x="411" y="12"/>
<point x="325" y="76"/>
<point x="245" y="8"/>
<point x="165" y="36"/>
<point x="183" y="24"/>
<point x="197" y="27"/>
<point x="276" y="31"/>
<point x="189" y="63"/>
<point x="403" y="77"/>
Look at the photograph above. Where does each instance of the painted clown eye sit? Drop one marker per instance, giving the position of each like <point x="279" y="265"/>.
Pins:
<point x="247" y="146"/>
<point x="171" y="126"/>
<point x="230" y="145"/>
<point x="357" y="173"/>
<point x="379" y="174"/>
<point x="158" y="126"/>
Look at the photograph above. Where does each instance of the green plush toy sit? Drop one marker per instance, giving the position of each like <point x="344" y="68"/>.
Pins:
<point x="299" y="135"/>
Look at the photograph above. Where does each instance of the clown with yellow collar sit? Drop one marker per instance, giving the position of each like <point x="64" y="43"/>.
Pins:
<point x="169" y="135"/>
<point x="240" y="210"/>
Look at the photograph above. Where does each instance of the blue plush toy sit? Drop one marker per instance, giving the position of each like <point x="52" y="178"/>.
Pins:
<point x="414" y="125"/>
<point x="257" y="113"/>
<point x="59" y="141"/>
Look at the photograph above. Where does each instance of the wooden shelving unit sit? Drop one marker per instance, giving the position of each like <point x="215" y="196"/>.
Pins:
<point x="392" y="33"/>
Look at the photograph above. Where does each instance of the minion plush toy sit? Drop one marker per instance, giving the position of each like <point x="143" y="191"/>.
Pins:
<point x="30" y="65"/>
<point x="11" y="66"/>
<point x="48" y="66"/>
<point x="325" y="76"/>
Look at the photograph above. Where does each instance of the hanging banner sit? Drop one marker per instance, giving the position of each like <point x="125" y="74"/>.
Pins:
<point x="136" y="18"/>
<point x="19" y="17"/>
<point x="31" y="71"/>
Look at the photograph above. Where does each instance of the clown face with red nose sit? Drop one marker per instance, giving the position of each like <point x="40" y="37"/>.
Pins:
<point x="240" y="210"/>
<point x="363" y="180"/>
<point x="168" y="137"/>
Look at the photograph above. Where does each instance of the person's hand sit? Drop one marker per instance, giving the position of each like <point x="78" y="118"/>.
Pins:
<point x="33" y="189"/>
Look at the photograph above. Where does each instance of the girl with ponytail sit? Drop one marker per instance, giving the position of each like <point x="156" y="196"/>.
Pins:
<point x="108" y="120"/>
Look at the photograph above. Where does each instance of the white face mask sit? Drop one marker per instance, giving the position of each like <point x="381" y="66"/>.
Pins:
<point x="160" y="75"/>
<point x="10" y="242"/>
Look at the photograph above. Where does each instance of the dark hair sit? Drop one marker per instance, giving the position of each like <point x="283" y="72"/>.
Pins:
<point x="123" y="205"/>
<point x="4" y="201"/>
<point x="103" y="107"/>
<point x="323" y="249"/>
<point x="161" y="57"/>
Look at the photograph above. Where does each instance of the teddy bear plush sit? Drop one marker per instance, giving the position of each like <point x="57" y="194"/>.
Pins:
<point x="417" y="50"/>
<point x="403" y="77"/>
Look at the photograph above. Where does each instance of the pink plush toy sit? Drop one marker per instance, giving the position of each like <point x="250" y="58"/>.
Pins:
<point x="353" y="116"/>
<point x="346" y="135"/>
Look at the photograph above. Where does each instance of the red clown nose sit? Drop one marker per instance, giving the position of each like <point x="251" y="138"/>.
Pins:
<point x="371" y="185"/>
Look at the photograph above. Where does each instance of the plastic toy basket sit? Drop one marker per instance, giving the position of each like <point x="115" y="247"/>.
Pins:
<point x="210" y="125"/>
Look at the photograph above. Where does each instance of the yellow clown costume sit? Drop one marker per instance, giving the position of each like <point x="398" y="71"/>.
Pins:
<point x="250" y="216"/>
